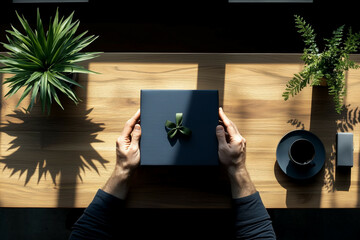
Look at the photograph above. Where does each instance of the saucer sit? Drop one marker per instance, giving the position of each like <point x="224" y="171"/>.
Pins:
<point x="290" y="168"/>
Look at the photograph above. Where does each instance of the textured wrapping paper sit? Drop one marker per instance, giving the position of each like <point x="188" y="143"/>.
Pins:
<point x="200" y="114"/>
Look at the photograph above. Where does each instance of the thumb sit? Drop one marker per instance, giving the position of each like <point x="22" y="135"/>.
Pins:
<point x="136" y="134"/>
<point x="220" y="134"/>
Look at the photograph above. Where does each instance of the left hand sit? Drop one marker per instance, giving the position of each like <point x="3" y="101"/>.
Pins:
<point x="127" y="158"/>
<point x="127" y="145"/>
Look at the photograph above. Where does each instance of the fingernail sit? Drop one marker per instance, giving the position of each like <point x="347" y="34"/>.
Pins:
<point x="219" y="128"/>
<point x="137" y="127"/>
<point x="221" y="109"/>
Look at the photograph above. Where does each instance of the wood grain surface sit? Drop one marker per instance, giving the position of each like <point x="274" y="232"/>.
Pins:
<point x="62" y="159"/>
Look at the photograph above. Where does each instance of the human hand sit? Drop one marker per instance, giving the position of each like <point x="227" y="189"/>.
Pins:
<point x="127" y="145"/>
<point x="127" y="158"/>
<point x="232" y="155"/>
<point x="232" y="146"/>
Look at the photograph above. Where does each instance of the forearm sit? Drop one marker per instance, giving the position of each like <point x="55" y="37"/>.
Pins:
<point x="241" y="184"/>
<point x="117" y="184"/>
<point x="99" y="218"/>
<point x="252" y="219"/>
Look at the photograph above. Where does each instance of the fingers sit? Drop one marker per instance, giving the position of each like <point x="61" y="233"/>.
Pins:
<point x="130" y="124"/>
<point x="220" y="134"/>
<point x="229" y="125"/>
<point x="135" y="137"/>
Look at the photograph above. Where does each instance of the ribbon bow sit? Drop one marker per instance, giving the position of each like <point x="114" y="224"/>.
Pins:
<point x="178" y="127"/>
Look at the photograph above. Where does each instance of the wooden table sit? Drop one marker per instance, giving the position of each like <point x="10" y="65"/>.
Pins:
<point x="61" y="160"/>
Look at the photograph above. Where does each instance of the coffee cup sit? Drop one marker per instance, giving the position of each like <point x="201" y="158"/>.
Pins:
<point x="302" y="152"/>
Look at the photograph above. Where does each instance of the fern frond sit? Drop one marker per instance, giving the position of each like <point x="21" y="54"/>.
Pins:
<point x="352" y="42"/>
<point x="296" y="84"/>
<point x="331" y="63"/>
<point x="335" y="41"/>
<point x="308" y="35"/>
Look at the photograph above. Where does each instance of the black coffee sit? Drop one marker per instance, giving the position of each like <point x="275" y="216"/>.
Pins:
<point x="302" y="151"/>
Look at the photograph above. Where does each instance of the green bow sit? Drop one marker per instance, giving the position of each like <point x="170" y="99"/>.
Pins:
<point x="175" y="128"/>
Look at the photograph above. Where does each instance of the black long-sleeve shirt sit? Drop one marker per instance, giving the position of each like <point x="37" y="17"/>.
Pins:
<point x="99" y="218"/>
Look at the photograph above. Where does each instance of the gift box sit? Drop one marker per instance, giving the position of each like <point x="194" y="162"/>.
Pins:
<point x="179" y="127"/>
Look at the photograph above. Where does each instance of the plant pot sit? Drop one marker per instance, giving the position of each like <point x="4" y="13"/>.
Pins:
<point x="323" y="82"/>
<point x="73" y="76"/>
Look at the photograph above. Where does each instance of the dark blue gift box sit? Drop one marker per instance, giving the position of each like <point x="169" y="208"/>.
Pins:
<point x="200" y="114"/>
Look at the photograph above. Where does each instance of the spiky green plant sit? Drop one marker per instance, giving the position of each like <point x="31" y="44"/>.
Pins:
<point x="42" y="61"/>
<point x="330" y="64"/>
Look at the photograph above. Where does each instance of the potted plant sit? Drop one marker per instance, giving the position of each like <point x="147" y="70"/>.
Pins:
<point x="42" y="62"/>
<point x="326" y="67"/>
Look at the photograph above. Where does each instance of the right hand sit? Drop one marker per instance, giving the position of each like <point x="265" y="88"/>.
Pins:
<point x="232" y="154"/>
<point x="232" y="146"/>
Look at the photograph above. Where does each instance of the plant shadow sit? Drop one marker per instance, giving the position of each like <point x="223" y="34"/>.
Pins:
<point x="325" y="123"/>
<point x="58" y="146"/>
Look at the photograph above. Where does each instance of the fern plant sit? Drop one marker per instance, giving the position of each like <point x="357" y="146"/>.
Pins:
<point x="42" y="61"/>
<point x="329" y="65"/>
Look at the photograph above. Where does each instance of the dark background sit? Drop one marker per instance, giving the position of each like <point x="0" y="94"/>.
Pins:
<point x="192" y="26"/>
<point x="189" y="26"/>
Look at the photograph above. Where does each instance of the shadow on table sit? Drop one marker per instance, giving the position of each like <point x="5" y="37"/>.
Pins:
<point x="174" y="187"/>
<point x="324" y="123"/>
<point x="58" y="146"/>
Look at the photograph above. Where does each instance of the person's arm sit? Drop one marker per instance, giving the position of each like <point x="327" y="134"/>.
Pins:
<point x="100" y="217"/>
<point x="252" y="219"/>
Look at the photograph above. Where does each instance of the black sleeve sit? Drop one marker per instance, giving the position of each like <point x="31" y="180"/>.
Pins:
<point x="252" y="219"/>
<point x="99" y="218"/>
